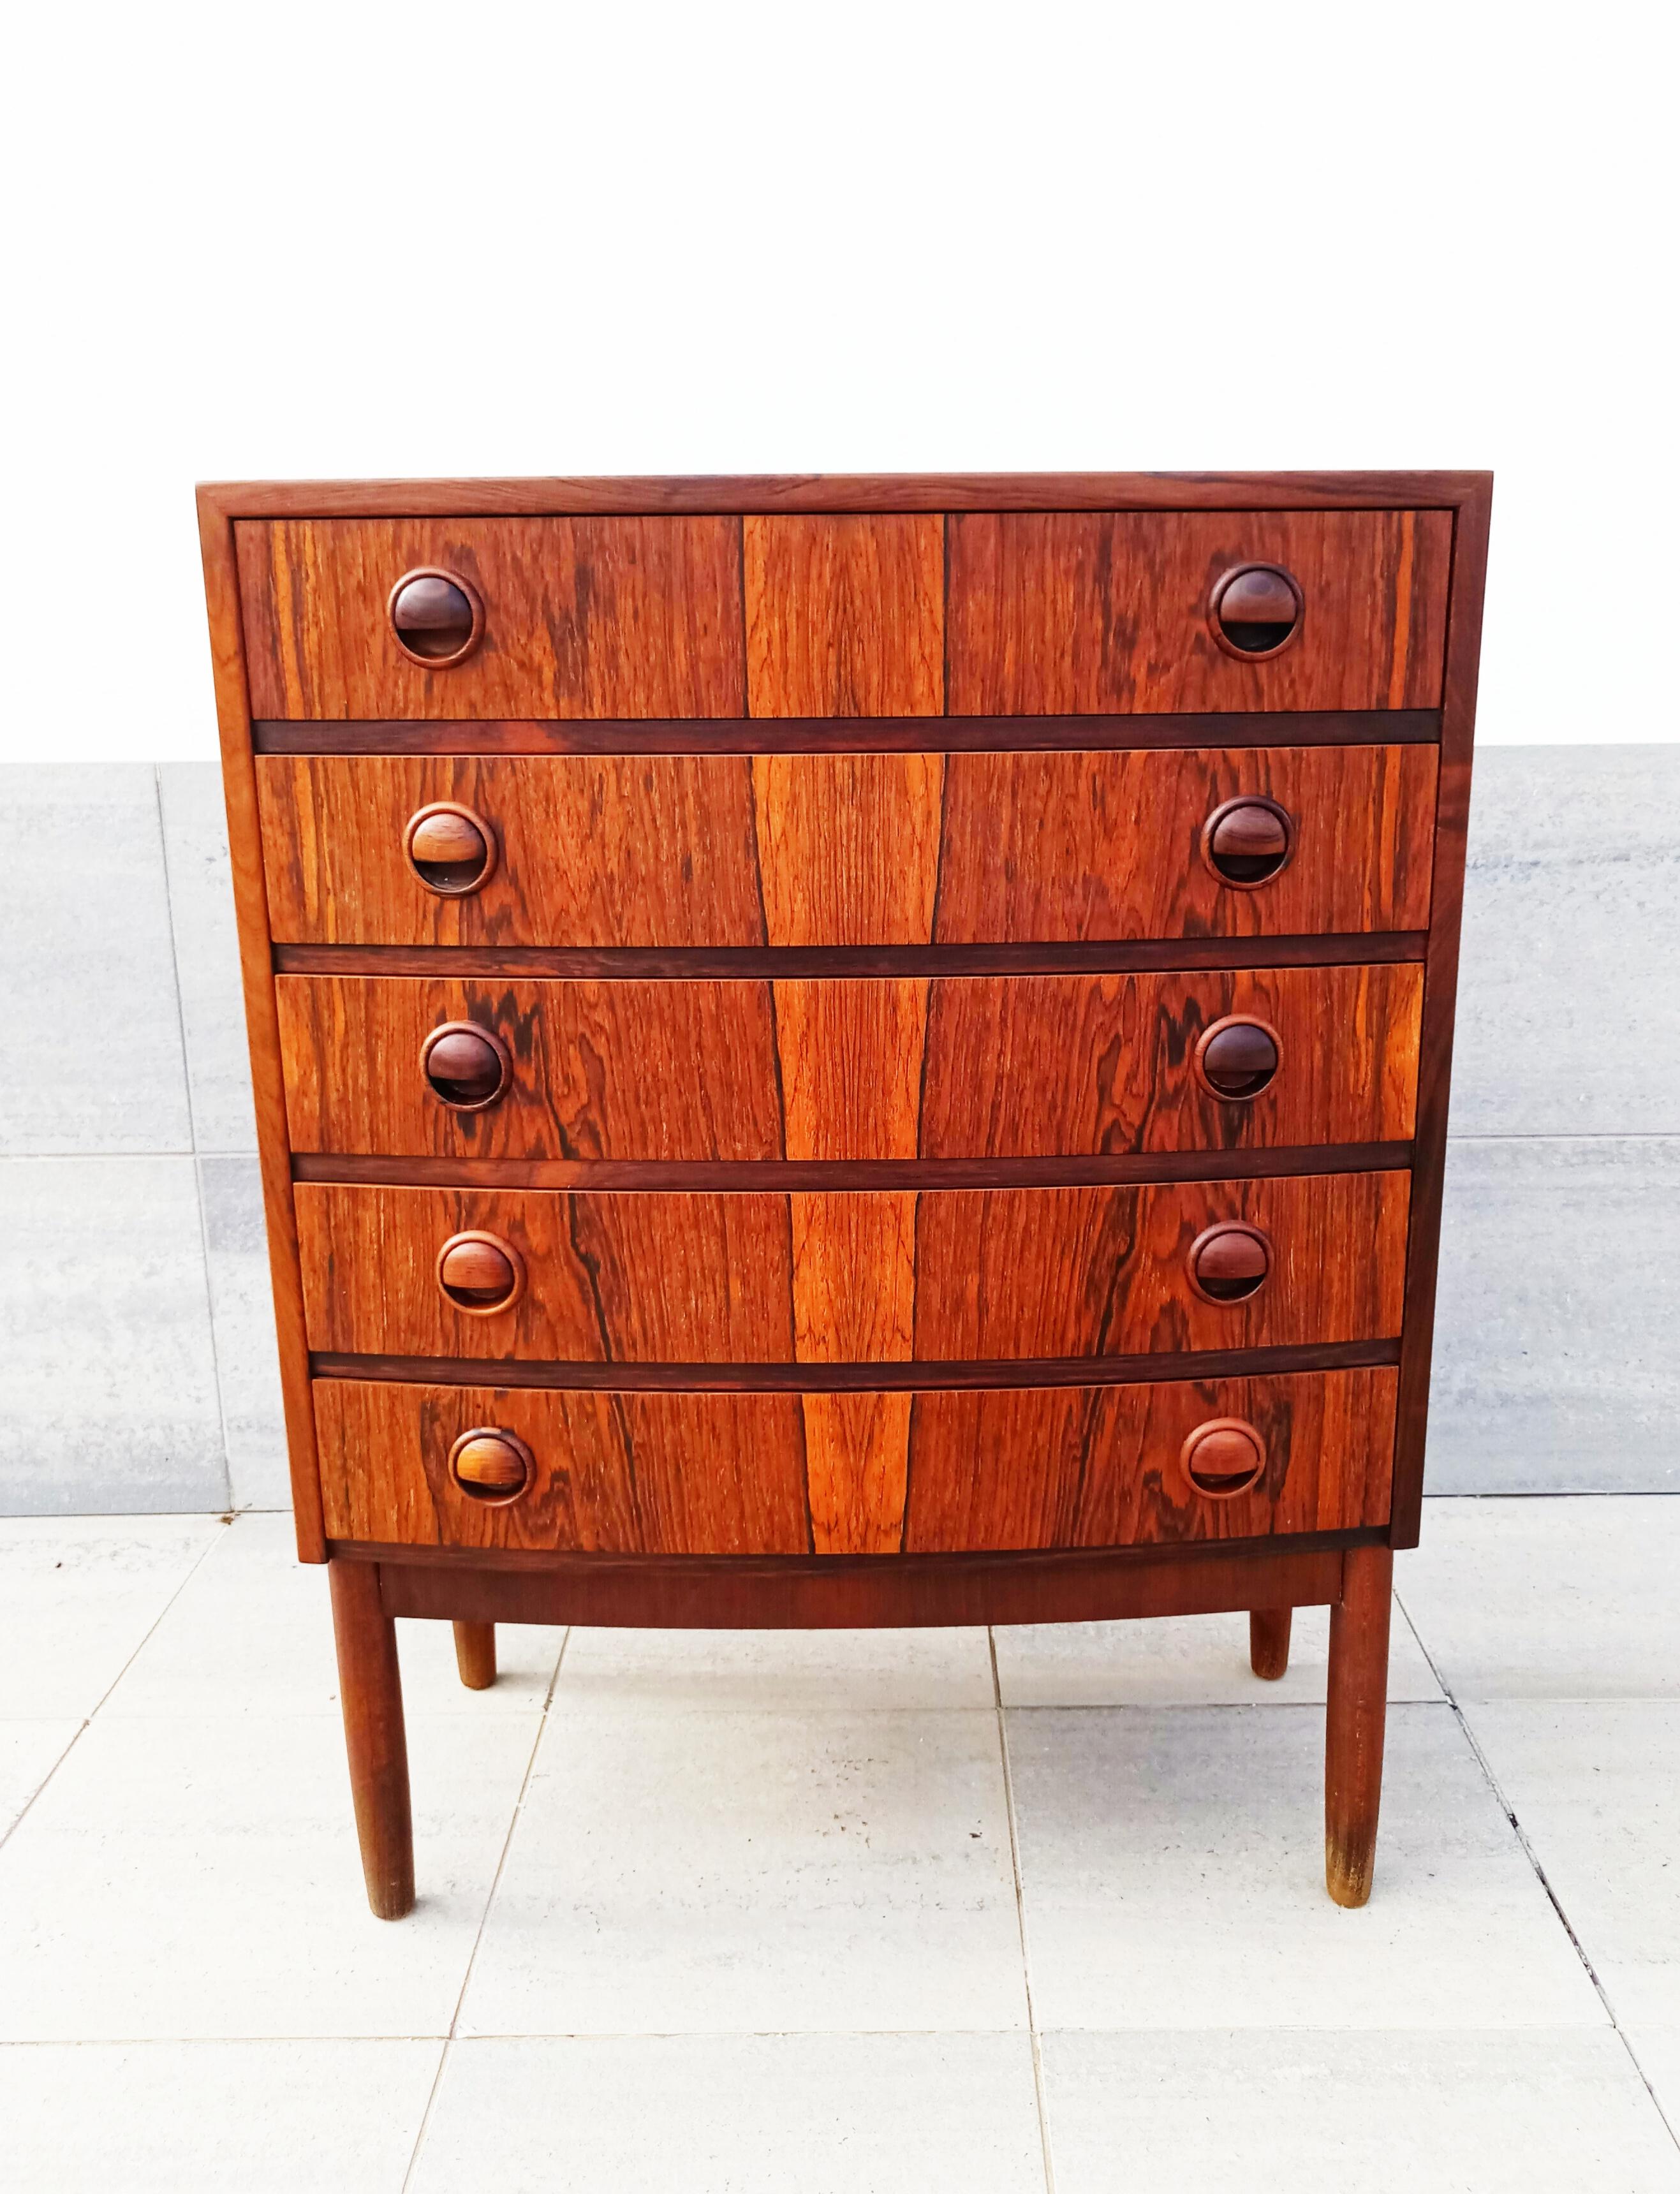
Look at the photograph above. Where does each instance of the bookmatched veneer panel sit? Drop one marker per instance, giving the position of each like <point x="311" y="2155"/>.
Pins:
<point x="737" y="851"/>
<point x="853" y="1276"/>
<point x="845" y="616"/>
<point x="1056" y="612"/>
<point x="994" y="1066"/>
<point x="623" y="1472"/>
<point x="583" y="617"/>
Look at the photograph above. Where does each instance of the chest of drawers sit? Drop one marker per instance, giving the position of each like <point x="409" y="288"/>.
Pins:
<point x="851" y="1051"/>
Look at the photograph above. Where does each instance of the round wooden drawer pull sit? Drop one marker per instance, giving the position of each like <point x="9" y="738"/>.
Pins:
<point x="1237" y="1058"/>
<point x="480" y="1273"/>
<point x="1223" y="1458"/>
<point x="467" y="1067"/>
<point x="1229" y="1262"/>
<point x="452" y="850"/>
<point x="437" y="616"/>
<point x="492" y="1464"/>
<point x="1255" y="609"/>
<point x="1247" y="842"/>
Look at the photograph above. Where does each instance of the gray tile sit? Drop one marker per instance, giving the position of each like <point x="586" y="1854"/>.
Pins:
<point x="1549" y="1599"/>
<point x="250" y="1633"/>
<point x="78" y="1596"/>
<point x="29" y="1752"/>
<point x="1187" y="1660"/>
<point x="738" y="2114"/>
<point x="753" y="1873"/>
<point x="1555" y="1363"/>
<point x="663" y="1672"/>
<point x="1172" y="1875"/>
<point x="197" y="1879"/>
<point x="86" y="966"/>
<point x="1569" y="1013"/>
<point x="1596" y="1790"/>
<point x="242" y="1318"/>
<point x="203" y="2117"/>
<point x="1324" y="2113"/>
<point x="107" y="1388"/>
<point x="1657" y="2050"/>
<point x="207" y="955"/>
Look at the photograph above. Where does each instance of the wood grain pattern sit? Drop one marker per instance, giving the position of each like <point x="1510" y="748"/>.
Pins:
<point x="845" y="617"/>
<point x="826" y="850"/>
<point x="1095" y="1466"/>
<point x="583" y="616"/>
<point x="857" y="1460"/>
<point x="629" y="1473"/>
<point x="1027" y="1067"/>
<point x="1059" y="612"/>
<point x="616" y="1472"/>
<point x="370" y="1688"/>
<point x="1355" y="1713"/>
<point x="647" y="1277"/>
<point x="851" y="1592"/>
<point x="1441" y="983"/>
<point x="250" y="906"/>
<point x="849" y="1055"/>
<point x="851" y="491"/>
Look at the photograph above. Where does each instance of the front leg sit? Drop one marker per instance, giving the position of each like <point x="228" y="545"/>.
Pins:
<point x="370" y="1686"/>
<point x="1353" y="1722"/>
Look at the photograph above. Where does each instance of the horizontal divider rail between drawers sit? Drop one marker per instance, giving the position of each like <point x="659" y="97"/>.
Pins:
<point x="852" y="734"/>
<point x="923" y="1376"/>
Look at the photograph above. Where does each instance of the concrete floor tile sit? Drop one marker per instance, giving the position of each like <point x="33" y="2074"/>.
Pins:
<point x="1656" y="2050"/>
<point x="212" y="2118"/>
<point x="242" y="1319"/>
<point x="779" y="1671"/>
<point x="755" y="1873"/>
<point x="1560" y="1598"/>
<point x="1171" y="1864"/>
<point x="108" y="1380"/>
<point x="78" y="1595"/>
<point x="86" y="966"/>
<point x="1189" y="1660"/>
<point x="29" y="1752"/>
<point x="252" y="1633"/>
<point x="207" y="955"/>
<point x="197" y="1879"/>
<point x="738" y="2114"/>
<point x="1596" y="1790"/>
<point x="1336" y="2113"/>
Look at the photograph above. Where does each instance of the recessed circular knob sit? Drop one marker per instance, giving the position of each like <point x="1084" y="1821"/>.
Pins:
<point x="1223" y="1457"/>
<point x="1229" y="1262"/>
<point x="480" y="1273"/>
<point x="466" y="1066"/>
<point x="1246" y="841"/>
<point x="492" y="1464"/>
<point x="1237" y="1057"/>
<point x="437" y="616"/>
<point x="452" y="850"/>
<point x="1255" y="609"/>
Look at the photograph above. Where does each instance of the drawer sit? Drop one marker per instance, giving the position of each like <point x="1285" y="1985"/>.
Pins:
<point x="1079" y="612"/>
<point x="741" y="850"/>
<point x="954" y="1068"/>
<point x="1040" y="613"/>
<point x="852" y="1277"/>
<point x="636" y="1471"/>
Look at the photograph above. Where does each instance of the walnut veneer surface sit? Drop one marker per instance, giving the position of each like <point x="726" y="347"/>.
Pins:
<point x="851" y="1050"/>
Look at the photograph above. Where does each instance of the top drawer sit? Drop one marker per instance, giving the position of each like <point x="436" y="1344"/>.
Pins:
<point x="1035" y="613"/>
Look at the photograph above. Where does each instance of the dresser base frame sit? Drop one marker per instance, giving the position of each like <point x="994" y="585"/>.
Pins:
<point x="1352" y="1572"/>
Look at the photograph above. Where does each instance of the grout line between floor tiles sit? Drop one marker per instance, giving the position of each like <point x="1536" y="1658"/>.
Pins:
<point x="1020" y="1915"/>
<point x="449" y="2039"/>
<point x="204" y="1553"/>
<point x="1540" y="1874"/>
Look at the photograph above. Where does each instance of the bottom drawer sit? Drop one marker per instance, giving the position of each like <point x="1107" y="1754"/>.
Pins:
<point x="621" y="1472"/>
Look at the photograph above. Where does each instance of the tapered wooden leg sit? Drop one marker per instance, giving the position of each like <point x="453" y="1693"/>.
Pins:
<point x="1352" y="1755"/>
<point x="475" y="1654"/>
<point x="1268" y="1641"/>
<point x="371" y="1687"/>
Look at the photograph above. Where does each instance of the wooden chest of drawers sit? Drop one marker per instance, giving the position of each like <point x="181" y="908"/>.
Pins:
<point x="851" y="1051"/>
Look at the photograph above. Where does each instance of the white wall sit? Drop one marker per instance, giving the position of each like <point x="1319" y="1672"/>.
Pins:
<point x="347" y="239"/>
